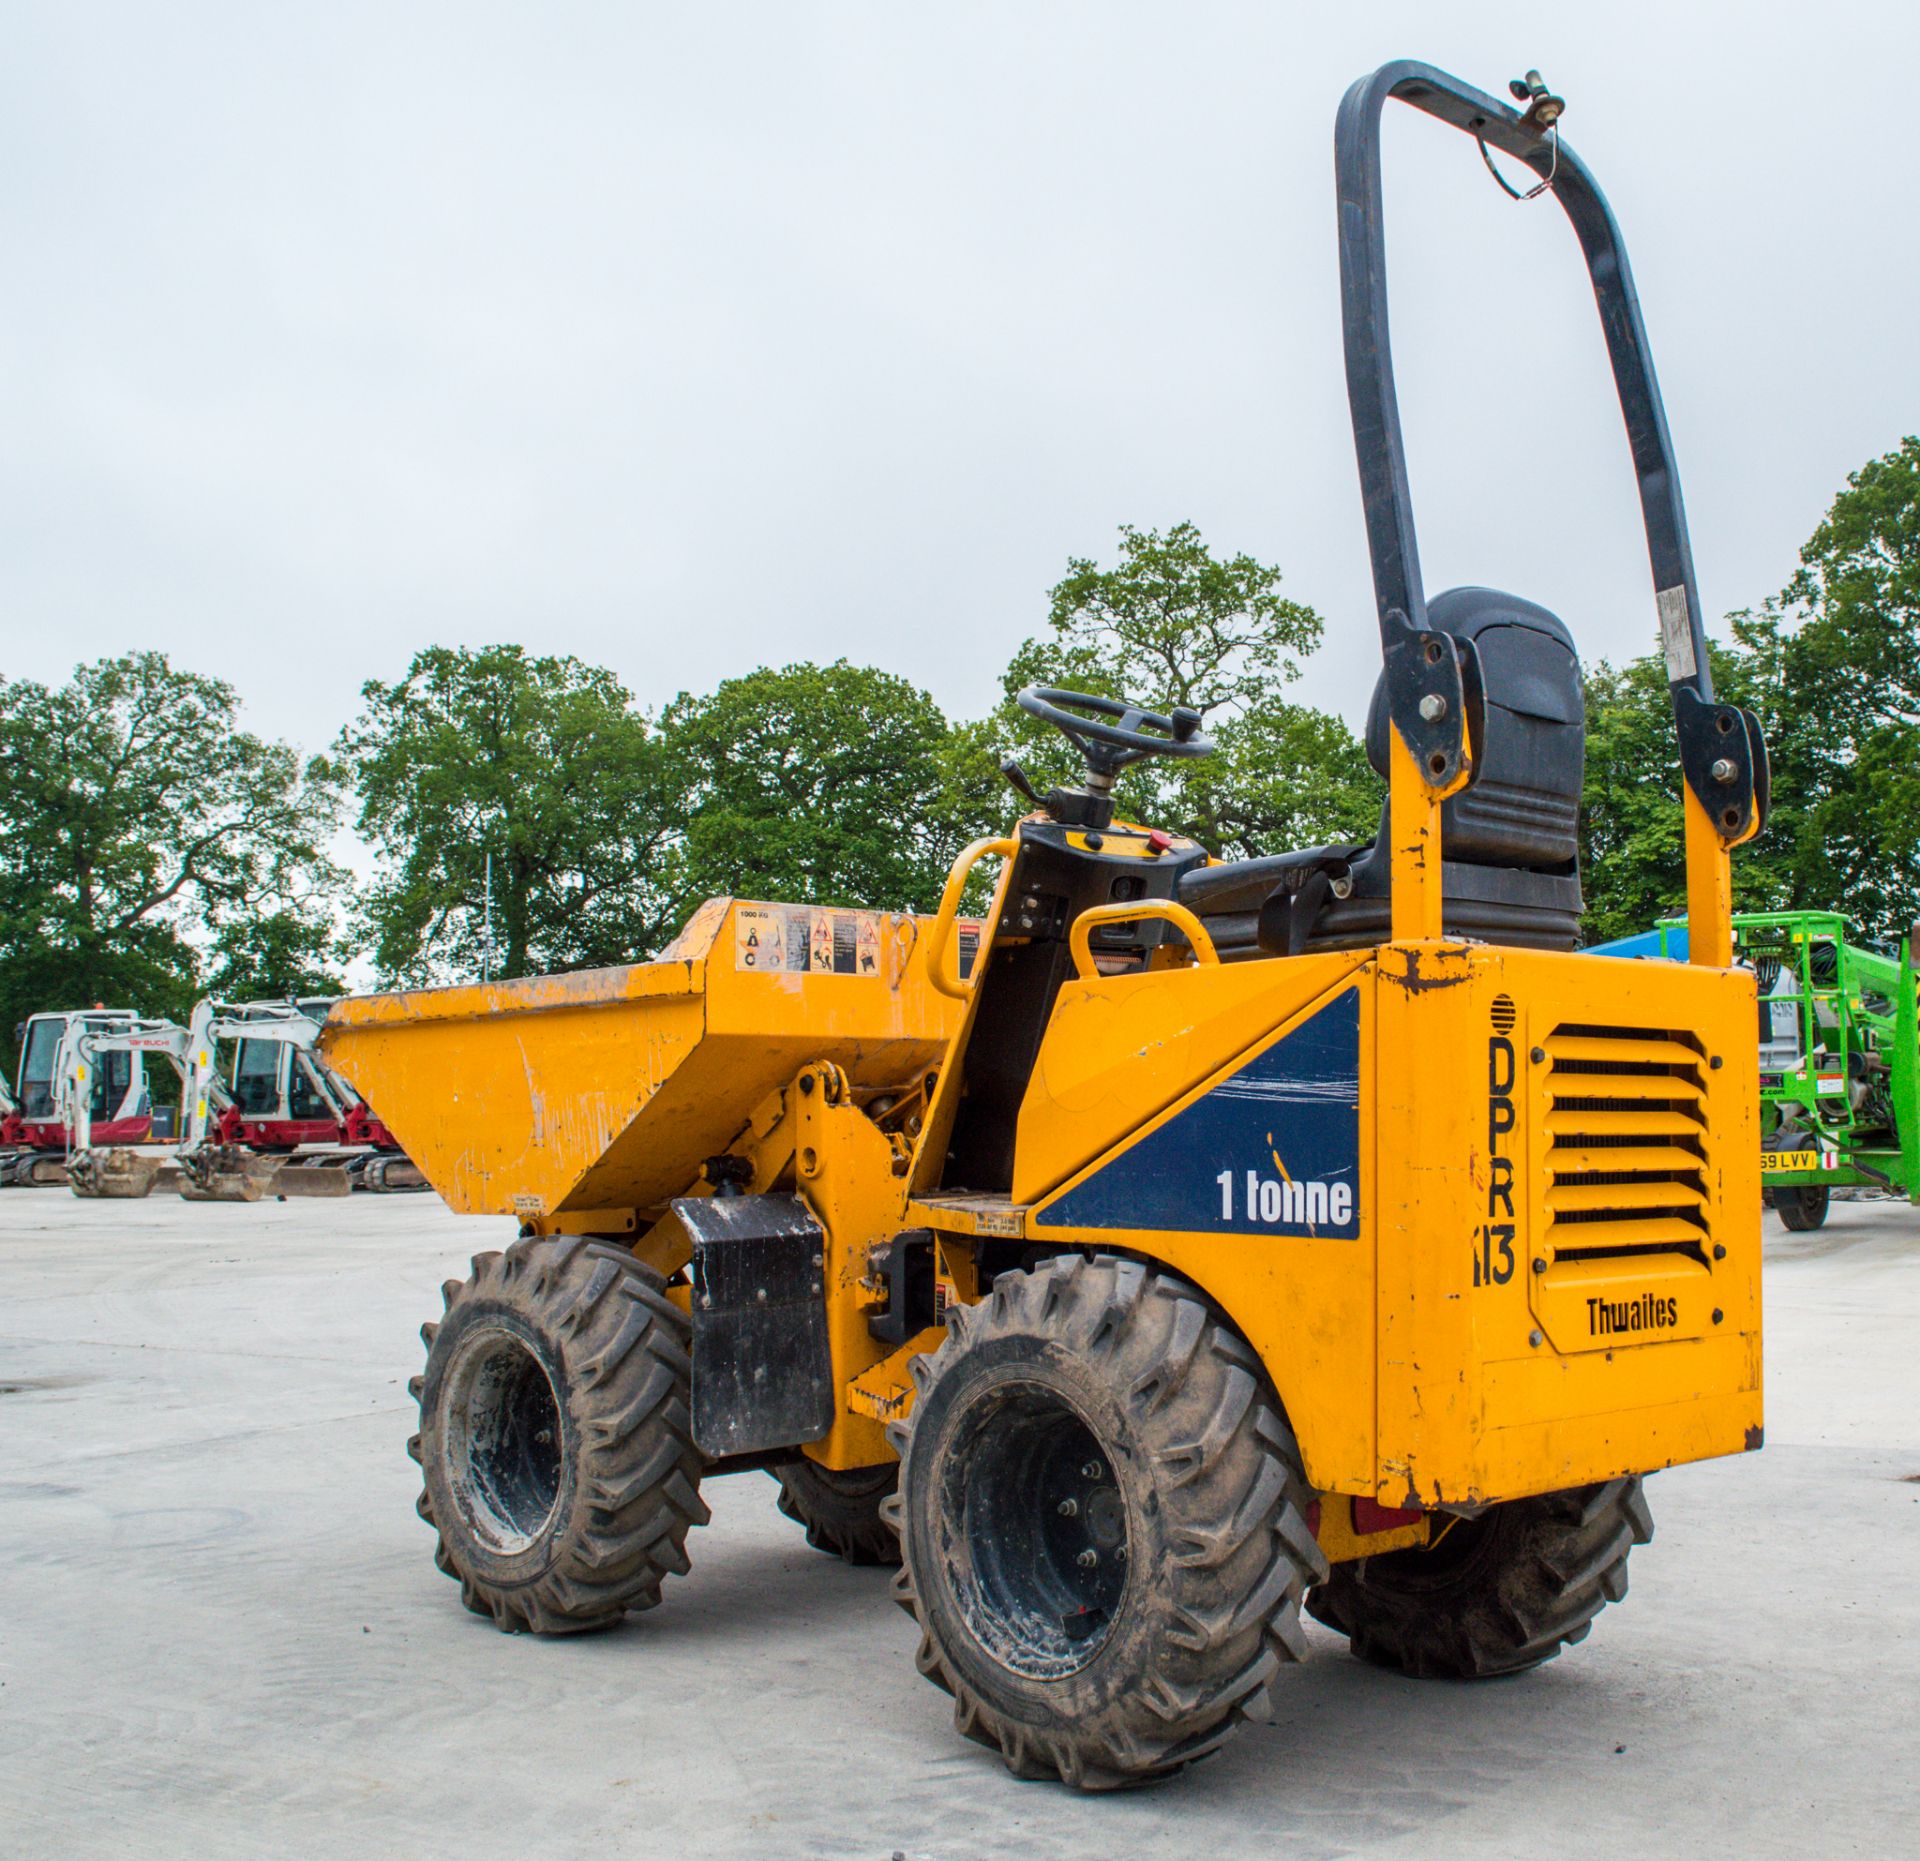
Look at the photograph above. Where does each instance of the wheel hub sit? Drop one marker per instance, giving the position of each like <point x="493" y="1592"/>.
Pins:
<point x="503" y="1442"/>
<point x="1045" y="1527"/>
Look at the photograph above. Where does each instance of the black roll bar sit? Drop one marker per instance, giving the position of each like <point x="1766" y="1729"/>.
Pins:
<point x="1722" y="751"/>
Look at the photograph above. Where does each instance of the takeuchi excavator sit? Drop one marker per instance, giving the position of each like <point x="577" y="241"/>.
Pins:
<point x="211" y="1162"/>
<point x="1235" y="1240"/>
<point x="119" y="1107"/>
<point x="283" y="1099"/>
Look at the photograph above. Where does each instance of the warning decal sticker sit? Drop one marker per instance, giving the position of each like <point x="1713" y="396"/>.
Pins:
<point x="803" y="939"/>
<point x="760" y="938"/>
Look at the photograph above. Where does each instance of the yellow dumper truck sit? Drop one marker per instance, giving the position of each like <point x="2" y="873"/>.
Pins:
<point x="1186" y="1245"/>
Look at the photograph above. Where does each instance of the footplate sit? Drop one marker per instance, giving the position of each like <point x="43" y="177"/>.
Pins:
<point x="762" y="1373"/>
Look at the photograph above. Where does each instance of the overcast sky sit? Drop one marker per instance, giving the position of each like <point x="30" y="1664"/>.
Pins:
<point x="694" y="338"/>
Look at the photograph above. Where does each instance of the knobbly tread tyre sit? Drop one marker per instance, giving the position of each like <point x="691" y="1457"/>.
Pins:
<point x="1215" y="1508"/>
<point x="615" y="1351"/>
<point x="841" y="1511"/>
<point x="1526" y="1582"/>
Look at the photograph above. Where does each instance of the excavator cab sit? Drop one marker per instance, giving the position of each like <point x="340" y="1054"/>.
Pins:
<point x="121" y="1106"/>
<point x="283" y="1097"/>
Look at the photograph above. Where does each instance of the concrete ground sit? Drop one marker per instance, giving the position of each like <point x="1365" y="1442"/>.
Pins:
<point x="221" y="1632"/>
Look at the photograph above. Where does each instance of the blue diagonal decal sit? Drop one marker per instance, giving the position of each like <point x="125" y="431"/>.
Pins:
<point x="1274" y="1148"/>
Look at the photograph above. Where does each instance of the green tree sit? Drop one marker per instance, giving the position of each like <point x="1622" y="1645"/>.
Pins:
<point x="543" y="767"/>
<point x="832" y="785"/>
<point x="274" y="955"/>
<point x="1633" y="852"/>
<point x="1832" y="668"/>
<point x="1836" y="663"/>
<point x="136" y="818"/>
<point x="1171" y="624"/>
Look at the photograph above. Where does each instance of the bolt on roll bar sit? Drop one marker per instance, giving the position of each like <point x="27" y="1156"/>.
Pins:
<point x="1431" y="677"/>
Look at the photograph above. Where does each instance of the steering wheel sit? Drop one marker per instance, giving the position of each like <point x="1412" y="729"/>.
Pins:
<point x="1112" y="734"/>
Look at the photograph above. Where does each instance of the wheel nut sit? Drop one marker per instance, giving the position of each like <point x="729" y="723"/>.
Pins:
<point x="1092" y="1470"/>
<point x="1068" y="1508"/>
<point x="1087" y="1559"/>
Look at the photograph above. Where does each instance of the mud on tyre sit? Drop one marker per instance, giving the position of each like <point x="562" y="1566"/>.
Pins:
<point x="555" y="1440"/>
<point x="1495" y="1594"/>
<point x="1103" y="1521"/>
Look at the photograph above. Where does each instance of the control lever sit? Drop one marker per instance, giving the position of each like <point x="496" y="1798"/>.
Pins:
<point x="1018" y="777"/>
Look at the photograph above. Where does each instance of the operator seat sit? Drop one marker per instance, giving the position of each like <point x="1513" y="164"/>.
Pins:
<point x="1510" y="870"/>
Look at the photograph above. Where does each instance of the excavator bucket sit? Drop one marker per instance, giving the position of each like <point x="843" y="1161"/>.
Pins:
<point x="116" y="1175"/>
<point x="608" y="1088"/>
<point x="230" y="1173"/>
<point x="226" y="1173"/>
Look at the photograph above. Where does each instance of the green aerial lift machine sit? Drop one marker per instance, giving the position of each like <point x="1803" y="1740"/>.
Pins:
<point x="1839" y="1055"/>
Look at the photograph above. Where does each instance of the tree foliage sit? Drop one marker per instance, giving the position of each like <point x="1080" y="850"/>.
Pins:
<point x="136" y="818"/>
<point x="153" y="848"/>
<point x="1171" y="624"/>
<point x="540" y="766"/>
<point x="832" y="785"/>
<point x="1835" y="661"/>
<point x="1832" y="667"/>
<point x="272" y="955"/>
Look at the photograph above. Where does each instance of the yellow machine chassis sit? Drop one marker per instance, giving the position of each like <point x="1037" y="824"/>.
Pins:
<point x="1432" y="1360"/>
<point x="1517" y="1312"/>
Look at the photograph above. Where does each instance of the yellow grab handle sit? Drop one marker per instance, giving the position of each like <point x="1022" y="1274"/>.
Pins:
<point x="1177" y="915"/>
<point x="950" y="909"/>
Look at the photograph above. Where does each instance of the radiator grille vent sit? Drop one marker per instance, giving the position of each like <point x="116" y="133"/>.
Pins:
<point x="1627" y="1143"/>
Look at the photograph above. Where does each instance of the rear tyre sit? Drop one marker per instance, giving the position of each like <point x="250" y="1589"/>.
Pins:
<point x="1103" y="1520"/>
<point x="1804" y="1208"/>
<point x="555" y="1441"/>
<point x="1801" y="1210"/>
<point x="841" y="1511"/>
<point x="1496" y="1594"/>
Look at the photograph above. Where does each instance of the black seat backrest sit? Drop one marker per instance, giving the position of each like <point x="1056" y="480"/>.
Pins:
<point x="1523" y="807"/>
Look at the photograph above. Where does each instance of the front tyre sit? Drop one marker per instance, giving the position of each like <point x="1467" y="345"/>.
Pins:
<point x="1495" y="1594"/>
<point x="555" y="1440"/>
<point x="1103" y="1521"/>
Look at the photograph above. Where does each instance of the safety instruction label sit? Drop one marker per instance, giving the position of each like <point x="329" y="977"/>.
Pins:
<point x="801" y="939"/>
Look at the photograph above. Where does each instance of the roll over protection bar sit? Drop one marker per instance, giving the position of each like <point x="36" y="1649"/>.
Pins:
<point x="1430" y="678"/>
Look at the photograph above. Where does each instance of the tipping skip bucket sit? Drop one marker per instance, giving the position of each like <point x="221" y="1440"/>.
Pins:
<point x="607" y="1088"/>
